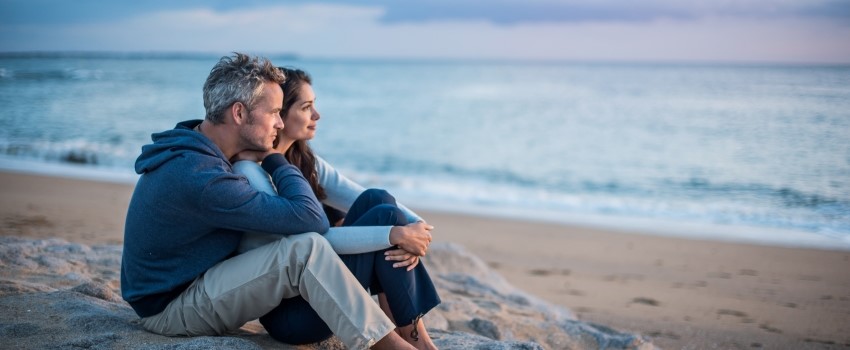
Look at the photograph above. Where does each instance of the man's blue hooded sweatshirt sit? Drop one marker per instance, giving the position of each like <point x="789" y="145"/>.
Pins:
<point x="189" y="210"/>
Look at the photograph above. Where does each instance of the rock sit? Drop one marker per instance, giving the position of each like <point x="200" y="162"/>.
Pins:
<point x="485" y="328"/>
<point x="79" y="306"/>
<point x="19" y="330"/>
<point x="459" y="340"/>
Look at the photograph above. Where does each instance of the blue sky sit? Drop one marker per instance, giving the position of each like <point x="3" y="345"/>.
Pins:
<point x="619" y="30"/>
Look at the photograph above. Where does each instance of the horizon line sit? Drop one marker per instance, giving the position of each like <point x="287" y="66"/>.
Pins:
<point x="203" y="54"/>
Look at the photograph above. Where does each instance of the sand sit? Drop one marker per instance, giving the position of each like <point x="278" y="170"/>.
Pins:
<point x="683" y="294"/>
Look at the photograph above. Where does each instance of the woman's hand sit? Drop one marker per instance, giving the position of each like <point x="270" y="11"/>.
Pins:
<point x="413" y="238"/>
<point x="403" y="258"/>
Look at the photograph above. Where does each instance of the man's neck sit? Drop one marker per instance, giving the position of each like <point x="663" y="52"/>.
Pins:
<point x="218" y="135"/>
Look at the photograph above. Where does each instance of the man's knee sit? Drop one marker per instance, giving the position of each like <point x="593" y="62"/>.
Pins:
<point x="308" y="243"/>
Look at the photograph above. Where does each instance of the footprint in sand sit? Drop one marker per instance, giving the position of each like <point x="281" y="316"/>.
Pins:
<point x="770" y="328"/>
<point x="662" y="334"/>
<point x="821" y="341"/>
<point x="748" y="272"/>
<point x="575" y="292"/>
<point x="646" y="301"/>
<point x="728" y="312"/>
<point x="20" y="221"/>
<point x="742" y="316"/>
<point x="540" y="272"/>
<point x="812" y="278"/>
<point x="543" y="272"/>
<point x="723" y="275"/>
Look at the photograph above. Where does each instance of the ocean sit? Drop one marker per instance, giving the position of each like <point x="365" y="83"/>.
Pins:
<point x="741" y="152"/>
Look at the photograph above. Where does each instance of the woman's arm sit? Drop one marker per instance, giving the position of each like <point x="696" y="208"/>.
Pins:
<point x="342" y="192"/>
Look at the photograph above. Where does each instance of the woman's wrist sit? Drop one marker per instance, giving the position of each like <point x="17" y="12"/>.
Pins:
<point x="396" y="232"/>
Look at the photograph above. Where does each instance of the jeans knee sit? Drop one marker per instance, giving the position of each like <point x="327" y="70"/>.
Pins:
<point x="295" y="322"/>
<point x="391" y="213"/>
<point x="378" y="196"/>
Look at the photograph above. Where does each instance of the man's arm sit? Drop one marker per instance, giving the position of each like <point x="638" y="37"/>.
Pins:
<point x="235" y="205"/>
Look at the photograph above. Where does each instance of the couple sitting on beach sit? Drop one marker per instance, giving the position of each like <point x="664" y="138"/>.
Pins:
<point x="227" y="225"/>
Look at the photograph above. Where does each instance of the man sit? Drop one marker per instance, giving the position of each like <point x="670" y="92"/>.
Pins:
<point x="179" y="270"/>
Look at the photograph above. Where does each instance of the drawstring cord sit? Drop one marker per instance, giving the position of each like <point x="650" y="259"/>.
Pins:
<point x="415" y="332"/>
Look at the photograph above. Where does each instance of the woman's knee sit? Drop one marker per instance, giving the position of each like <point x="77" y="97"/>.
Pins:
<point x="295" y="322"/>
<point x="378" y="196"/>
<point x="389" y="214"/>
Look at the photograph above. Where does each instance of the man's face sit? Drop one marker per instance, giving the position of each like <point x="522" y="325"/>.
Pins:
<point x="259" y="130"/>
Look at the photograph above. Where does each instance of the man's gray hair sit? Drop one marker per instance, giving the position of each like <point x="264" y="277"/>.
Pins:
<point x="237" y="78"/>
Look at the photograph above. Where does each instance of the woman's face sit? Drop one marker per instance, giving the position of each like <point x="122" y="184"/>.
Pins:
<point x="300" y="120"/>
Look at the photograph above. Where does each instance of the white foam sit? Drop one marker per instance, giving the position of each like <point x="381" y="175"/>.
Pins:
<point x="651" y="226"/>
<point x="73" y="171"/>
<point x="710" y="221"/>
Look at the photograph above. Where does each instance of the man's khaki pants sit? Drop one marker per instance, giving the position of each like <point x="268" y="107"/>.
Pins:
<point x="251" y="284"/>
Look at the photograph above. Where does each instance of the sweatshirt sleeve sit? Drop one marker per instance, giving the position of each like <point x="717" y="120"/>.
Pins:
<point x="342" y="192"/>
<point x="233" y="204"/>
<point x="344" y="240"/>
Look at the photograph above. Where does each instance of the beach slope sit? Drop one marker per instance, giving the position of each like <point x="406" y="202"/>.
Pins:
<point x="677" y="293"/>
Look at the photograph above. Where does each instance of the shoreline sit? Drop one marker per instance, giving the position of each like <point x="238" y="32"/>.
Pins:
<point x="758" y="235"/>
<point x="683" y="293"/>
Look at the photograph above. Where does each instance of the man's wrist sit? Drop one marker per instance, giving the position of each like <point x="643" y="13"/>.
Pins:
<point x="273" y="161"/>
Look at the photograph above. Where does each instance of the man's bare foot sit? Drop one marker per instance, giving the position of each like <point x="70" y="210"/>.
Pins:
<point x="392" y="341"/>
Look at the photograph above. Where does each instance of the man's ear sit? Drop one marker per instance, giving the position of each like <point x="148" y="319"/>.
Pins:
<point x="239" y="113"/>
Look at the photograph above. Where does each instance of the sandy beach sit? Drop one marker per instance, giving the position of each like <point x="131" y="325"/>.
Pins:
<point x="683" y="294"/>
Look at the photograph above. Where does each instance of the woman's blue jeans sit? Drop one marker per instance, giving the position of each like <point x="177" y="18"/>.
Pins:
<point x="410" y="294"/>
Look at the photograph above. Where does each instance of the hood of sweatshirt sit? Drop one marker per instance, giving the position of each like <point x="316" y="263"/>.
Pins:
<point x="173" y="143"/>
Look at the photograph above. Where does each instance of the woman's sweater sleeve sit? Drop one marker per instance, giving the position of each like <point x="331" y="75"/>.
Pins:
<point x="342" y="192"/>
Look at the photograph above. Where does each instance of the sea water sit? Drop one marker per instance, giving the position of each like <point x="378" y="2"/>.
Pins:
<point x="742" y="152"/>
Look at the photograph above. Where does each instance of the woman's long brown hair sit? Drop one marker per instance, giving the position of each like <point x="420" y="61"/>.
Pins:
<point x="300" y="154"/>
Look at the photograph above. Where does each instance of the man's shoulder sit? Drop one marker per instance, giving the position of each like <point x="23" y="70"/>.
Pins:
<point x="193" y="167"/>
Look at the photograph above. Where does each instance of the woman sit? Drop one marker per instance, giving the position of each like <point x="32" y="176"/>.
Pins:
<point x="369" y="221"/>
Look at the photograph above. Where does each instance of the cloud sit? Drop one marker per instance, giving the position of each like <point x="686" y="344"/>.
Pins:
<point x="500" y="12"/>
<point x="198" y="29"/>
<point x="335" y="30"/>
<point x="510" y="12"/>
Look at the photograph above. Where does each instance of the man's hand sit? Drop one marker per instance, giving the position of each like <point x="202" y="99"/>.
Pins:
<point x="413" y="238"/>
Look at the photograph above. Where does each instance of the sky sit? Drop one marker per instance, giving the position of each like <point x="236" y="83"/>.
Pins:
<point x="774" y="31"/>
